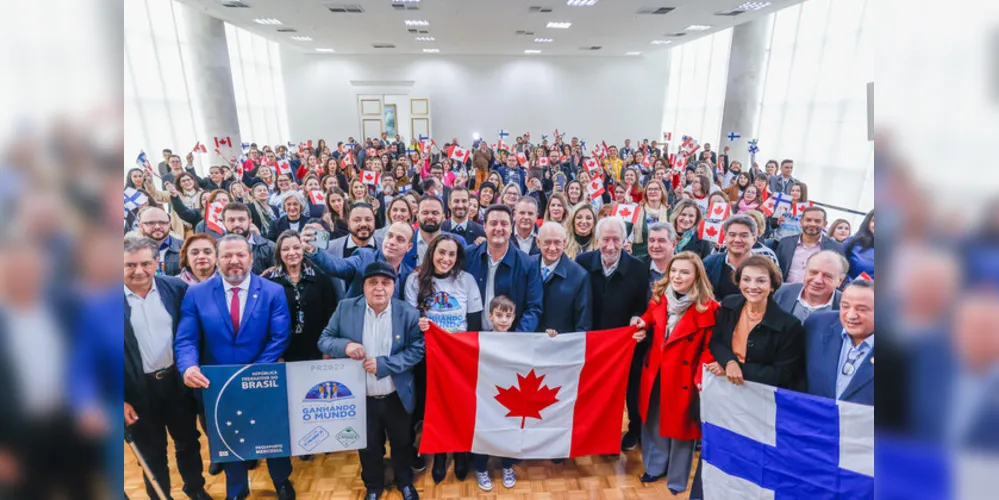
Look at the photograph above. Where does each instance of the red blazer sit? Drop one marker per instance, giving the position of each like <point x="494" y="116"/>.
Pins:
<point x="678" y="362"/>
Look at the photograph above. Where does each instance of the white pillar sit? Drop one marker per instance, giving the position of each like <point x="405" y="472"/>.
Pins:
<point x="211" y="79"/>
<point x="744" y="85"/>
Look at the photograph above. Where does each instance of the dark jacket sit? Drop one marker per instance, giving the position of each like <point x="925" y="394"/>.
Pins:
<point x="713" y="267"/>
<point x="255" y="215"/>
<point x="171" y="291"/>
<point x="701" y="247"/>
<point x="350" y="270"/>
<point x="263" y="253"/>
<point x="310" y="314"/>
<point x="283" y="224"/>
<point x="788" y="294"/>
<point x="775" y="350"/>
<point x="472" y="232"/>
<point x="568" y="298"/>
<point x="622" y="296"/>
<point x="823" y="343"/>
<point x="171" y="257"/>
<point x="517" y="277"/>
<point x="786" y="247"/>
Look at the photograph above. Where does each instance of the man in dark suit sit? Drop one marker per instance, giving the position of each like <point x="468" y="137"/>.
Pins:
<point x="500" y="268"/>
<point x="235" y="304"/>
<point x="384" y="332"/>
<point x="156" y="400"/>
<point x="459" y="223"/>
<point x="782" y="183"/>
<point x="430" y="216"/>
<point x="620" y="289"/>
<point x="707" y="154"/>
<point x="361" y="224"/>
<point x="839" y="347"/>
<point x="164" y="166"/>
<point x="824" y="273"/>
<point x="526" y="221"/>
<point x="793" y="251"/>
<point x="154" y="223"/>
<point x="567" y="293"/>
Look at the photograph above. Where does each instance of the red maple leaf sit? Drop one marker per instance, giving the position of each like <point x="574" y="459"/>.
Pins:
<point x="711" y="231"/>
<point x="624" y="212"/>
<point x="529" y="399"/>
<point x="719" y="210"/>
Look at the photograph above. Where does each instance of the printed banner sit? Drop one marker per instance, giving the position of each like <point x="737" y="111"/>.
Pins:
<point x="284" y="409"/>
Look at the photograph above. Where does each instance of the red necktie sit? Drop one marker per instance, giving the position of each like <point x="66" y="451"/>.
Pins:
<point x="234" y="309"/>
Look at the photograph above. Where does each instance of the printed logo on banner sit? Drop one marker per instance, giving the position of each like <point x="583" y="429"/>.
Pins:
<point x="347" y="437"/>
<point x="327" y="403"/>
<point x="314" y="438"/>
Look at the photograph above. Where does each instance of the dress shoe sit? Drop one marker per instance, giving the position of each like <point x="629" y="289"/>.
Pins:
<point x="201" y="495"/>
<point x="419" y="463"/>
<point x="460" y="466"/>
<point x="439" y="471"/>
<point x="241" y="496"/>
<point x="252" y="464"/>
<point x="409" y="493"/>
<point x="629" y="441"/>
<point x="648" y="478"/>
<point x="372" y="495"/>
<point x="285" y="491"/>
<point x="215" y="469"/>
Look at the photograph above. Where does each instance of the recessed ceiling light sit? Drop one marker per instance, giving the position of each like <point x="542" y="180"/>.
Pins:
<point x="405" y="1"/>
<point x="698" y="27"/>
<point x="431" y="51"/>
<point x="633" y="53"/>
<point x="302" y="38"/>
<point x="530" y="51"/>
<point x="752" y="6"/>
<point x="411" y="22"/>
<point x="561" y="25"/>
<point x="544" y="40"/>
<point x="661" y="42"/>
<point x="270" y="21"/>
<point x="325" y="50"/>
<point x="580" y="3"/>
<point x="425" y="39"/>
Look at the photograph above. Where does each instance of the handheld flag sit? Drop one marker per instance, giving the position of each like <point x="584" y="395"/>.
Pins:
<point x="667" y="136"/>
<point x="223" y="141"/>
<point x="317" y="197"/>
<point x="798" y="208"/>
<point x="591" y="166"/>
<point x="864" y="276"/>
<point x="214" y="219"/>
<point x="711" y="231"/>
<point x="543" y="162"/>
<point x="595" y="187"/>
<point x="718" y="212"/>
<point x="503" y="134"/>
<point x="689" y="146"/>
<point x="627" y="212"/>
<point x="143" y="162"/>
<point x="459" y="154"/>
<point x="522" y="159"/>
<point x="283" y="167"/>
<point x="200" y="148"/>
<point x="245" y="146"/>
<point x="134" y="198"/>
<point x="370" y="178"/>
<point x="777" y="205"/>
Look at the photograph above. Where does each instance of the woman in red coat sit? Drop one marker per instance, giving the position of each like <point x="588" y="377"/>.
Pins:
<point x="681" y="317"/>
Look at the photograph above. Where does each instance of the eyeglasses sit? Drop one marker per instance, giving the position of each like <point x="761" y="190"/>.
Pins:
<point x="156" y="223"/>
<point x="852" y="358"/>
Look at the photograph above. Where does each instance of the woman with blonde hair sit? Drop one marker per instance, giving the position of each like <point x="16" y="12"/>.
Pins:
<point x="580" y="225"/>
<point x="654" y="209"/>
<point x="557" y="209"/>
<point x="681" y="316"/>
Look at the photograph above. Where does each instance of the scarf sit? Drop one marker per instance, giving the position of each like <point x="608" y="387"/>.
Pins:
<point x="745" y="206"/>
<point x="584" y="240"/>
<point x="685" y="239"/>
<point x="676" y="306"/>
<point x="266" y="217"/>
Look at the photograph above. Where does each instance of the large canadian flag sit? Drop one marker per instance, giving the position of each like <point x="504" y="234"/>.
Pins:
<point x="526" y="395"/>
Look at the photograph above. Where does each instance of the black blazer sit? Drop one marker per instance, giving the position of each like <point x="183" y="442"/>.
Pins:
<point x="775" y="351"/>
<point x="472" y="232"/>
<point x="171" y="291"/>
<point x="568" y="298"/>
<point x="319" y="299"/>
<point x="618" y="298"/>
<point x="786" y="247"/>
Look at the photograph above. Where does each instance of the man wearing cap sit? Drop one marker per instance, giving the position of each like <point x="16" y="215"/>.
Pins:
<point x="383" y="332"/>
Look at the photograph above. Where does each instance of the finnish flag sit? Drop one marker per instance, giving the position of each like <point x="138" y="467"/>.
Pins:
<point x="760" y="442"/>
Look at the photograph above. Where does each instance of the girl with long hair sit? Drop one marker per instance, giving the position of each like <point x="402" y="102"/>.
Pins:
<point x="197" y="259"/>
<point x="334" y="215"/>
<point x="839" y="230"/>
<point x="686" y="220"/>
<point x="397" y="210"/>
<point x="573" y="193"/>
<point x="750" y="200"/>
<point x="580" y="226"/>
<point x="653" y="210"/>
<point x="557" y="209"/>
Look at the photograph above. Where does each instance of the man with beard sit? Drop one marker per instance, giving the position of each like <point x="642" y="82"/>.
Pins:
<point x="793" y="251"/>
<point x="397" y="243"/>
<point x="430" y="215"/>
<point x="361" y="224"/>
<point x="213" y="315"/>
<point x="459" y="224"/>
<point x="236" y="219"/>
<point x="154" y="223"/>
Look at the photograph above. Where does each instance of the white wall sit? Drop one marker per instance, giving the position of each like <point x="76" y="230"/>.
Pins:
<point x="604" y="98"/>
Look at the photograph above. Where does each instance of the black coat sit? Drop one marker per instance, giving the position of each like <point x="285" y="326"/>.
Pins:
<point x="787" y="245"/>
<point x="319" y="299"/>
<point x="701" y="247"/>
<point x="568" y="302"/>
<point x="775" y="351"/>
<point x="255" y="214"/>
<point x="472" y="232"/>
<point x="622" y="296"/>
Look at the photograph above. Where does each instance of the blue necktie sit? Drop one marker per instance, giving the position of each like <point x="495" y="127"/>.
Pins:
<point x="545" y="274"/>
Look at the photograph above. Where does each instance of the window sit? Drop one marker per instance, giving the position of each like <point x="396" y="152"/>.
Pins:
<point x="695" y="94"/>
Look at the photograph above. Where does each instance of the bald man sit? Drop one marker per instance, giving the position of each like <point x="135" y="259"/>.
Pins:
<point x="397" y="243"/>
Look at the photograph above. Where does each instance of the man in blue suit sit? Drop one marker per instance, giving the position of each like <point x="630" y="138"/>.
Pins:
<point x="395" y="246"/>
<point x="502" y="269"/>
<point x="235" y="318"/>
<point x="384" y="332"/>
<point x="839" y="347"/>
<point x="567" y="293"/>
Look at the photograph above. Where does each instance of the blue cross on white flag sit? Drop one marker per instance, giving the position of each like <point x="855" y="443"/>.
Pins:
<point x="503" y="134"/>
<point x="134" y="198"/>
<point x="753" y="149"/>
<point x="141" y="160"/>
<point x="763" y="442"/>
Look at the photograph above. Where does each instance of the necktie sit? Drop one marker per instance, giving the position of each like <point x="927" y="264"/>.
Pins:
<point x="545" y="273"/>
<point x="234" y="309"/>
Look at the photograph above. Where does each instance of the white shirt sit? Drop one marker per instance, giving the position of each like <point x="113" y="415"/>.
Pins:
<point x="453" y="299"/>
<point x="29" y="333"/>
<point x="153" y="328"/>
<point x="459" y="226"/>
<point x="490" y="285"/>
<point x="244" y="288"/>
<point x="862" y="350"/>
<point x="421" y="248"/>
<point x="377" y="341"/>
<point x="524" y="243"/>
<point x="609" y="270"/>
<point x="551" y="268"/>
<point x="802" y="309"/>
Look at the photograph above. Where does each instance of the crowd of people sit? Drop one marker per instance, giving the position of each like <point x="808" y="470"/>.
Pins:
<point x="350" y="251"/>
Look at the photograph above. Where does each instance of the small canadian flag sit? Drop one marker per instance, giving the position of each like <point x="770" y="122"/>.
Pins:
<point x="595" y="187"/>
<point x="213" y="220"/>
<point x="798" y="208"/>
<point x="668" y="136"/>
<point x="647" y="161"/>
<point x="223" y="141"/>
<point x="543" y="161"/>
<point x="317" y="197"/>
<point x="626" y="212"/>
<point x="718" y="212"/>
<point x="348" y="158"/>
<point x="371" y="178"/>
<point x="522" y="158"/>
<point x="459" y="154"/>
<point x="592" y="166"/>
<point x="200" y="148"/>
<point x="689" y="146"/>
<point x="711" y="231"/>
<point x="283" y="167"/>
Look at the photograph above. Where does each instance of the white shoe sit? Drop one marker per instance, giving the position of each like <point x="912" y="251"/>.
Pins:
<point x="509" y="478"/>
<point x="485" y="484"/>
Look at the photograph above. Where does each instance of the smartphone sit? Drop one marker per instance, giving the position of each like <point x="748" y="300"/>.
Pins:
<point x="322" y="240"/>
